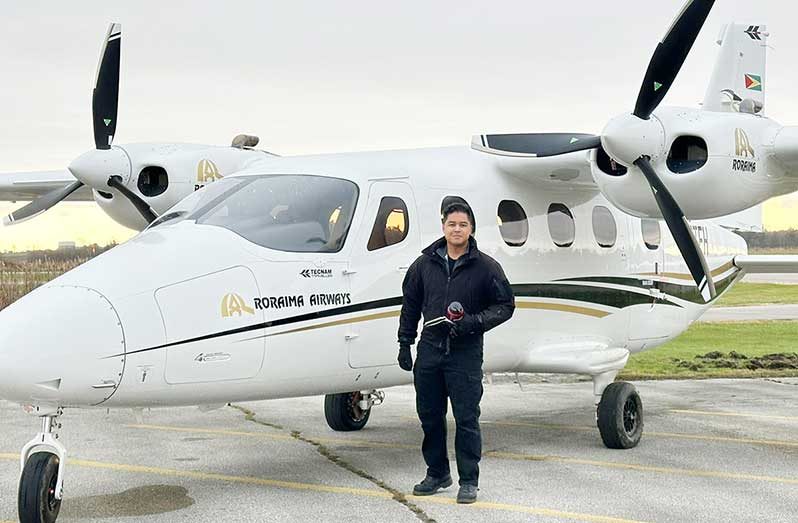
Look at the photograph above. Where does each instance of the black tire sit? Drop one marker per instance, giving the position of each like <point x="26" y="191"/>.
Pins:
<point x="343" y="413"/>
<point x="36" y="501"/>
<point x="620" y="416"/>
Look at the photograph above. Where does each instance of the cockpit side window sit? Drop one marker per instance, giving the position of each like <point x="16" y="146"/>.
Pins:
<point x="293" y="213"/>
<point x="391" y="224"/>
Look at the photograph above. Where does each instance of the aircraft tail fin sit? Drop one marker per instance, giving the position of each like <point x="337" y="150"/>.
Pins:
<point x="738" y="80"/>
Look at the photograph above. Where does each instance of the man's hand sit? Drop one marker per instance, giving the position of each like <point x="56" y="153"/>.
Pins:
<point x="405" y="359"/>
<point x="468" y="324"/>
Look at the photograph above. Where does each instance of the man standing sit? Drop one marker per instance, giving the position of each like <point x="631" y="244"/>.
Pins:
<point x="449" y="359"/>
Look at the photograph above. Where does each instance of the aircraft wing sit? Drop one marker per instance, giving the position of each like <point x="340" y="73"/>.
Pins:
<point x="767" y="263"/>
<point x="527" y="156"/>
<point x="27" y="186"/>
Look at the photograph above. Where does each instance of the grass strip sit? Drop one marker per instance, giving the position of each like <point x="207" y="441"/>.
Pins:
<point x="745" y="293"/>
<point x="738" y="343"/>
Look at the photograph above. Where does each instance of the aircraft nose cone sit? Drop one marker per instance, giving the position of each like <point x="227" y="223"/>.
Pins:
<point x="95" y="167"/>
<point x="61" y="346"/>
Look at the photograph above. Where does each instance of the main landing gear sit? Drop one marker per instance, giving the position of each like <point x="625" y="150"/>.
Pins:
<point x="350" y="411"/>
<point x="41" y="483"/>
<point x="619" y="412"/>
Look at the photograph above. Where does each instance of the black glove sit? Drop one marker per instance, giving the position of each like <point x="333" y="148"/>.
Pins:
<point x="405" y="359"/>
<point x="468" y="324"/>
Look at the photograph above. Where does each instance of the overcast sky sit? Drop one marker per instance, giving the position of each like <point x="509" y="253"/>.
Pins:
<point x="340" y="76"/>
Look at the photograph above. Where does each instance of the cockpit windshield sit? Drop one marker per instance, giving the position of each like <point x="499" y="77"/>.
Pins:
<point x="294" y="213"/>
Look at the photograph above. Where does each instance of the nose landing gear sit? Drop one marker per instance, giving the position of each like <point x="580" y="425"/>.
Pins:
<point x="41" y="483"/>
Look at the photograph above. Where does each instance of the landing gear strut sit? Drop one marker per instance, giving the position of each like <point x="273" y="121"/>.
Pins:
<point x="350" y="411"/>
<point x="41" y="483"/>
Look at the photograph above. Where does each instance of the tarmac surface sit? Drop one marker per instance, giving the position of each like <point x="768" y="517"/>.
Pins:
<point x="751" y="313"/>
<point x="713" y="450"/>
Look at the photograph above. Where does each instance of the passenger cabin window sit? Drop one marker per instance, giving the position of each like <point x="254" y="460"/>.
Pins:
<point x="513" y="224"/>
<point x="561" y="225"/>
<point x="448" y="200"/>
<point x="604" y="228"/>
<point x="391" y="224"/>
<point x="651" y="233"/>
<point x="292" y="213"/>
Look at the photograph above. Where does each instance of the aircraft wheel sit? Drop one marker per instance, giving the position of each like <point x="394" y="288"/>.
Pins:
<point x="37" y="502"/>
<point x="343" y="412"/>
<point x="620" y="416"/>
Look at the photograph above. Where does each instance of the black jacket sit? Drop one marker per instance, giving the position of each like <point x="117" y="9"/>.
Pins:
<point x="477" y="282"/>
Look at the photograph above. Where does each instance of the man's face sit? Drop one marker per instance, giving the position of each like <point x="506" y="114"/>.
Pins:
<point x="457" y="229"/>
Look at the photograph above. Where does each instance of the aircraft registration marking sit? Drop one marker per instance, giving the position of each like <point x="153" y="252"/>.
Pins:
<point x="330" y="489"/>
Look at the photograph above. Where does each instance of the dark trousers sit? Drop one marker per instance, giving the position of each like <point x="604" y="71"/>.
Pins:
<point x="458" y="377"/>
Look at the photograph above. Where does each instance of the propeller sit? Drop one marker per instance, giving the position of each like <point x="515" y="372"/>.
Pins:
<point x="41" y="204"/>
<point x="105" y="98"/>
<point x="141" y="206"/>
<point x="635" y="138"/>
<point x="103" y="166"/>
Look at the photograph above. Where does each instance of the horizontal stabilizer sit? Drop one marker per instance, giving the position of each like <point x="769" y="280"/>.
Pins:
<point x="767" y="263"/>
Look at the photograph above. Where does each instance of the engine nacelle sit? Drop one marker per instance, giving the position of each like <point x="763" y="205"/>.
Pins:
<point x="715" y="164"/>
<point x="164" y="174"/>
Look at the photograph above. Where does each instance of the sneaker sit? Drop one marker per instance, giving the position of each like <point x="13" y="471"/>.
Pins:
<point x="430" y="485"/>
<point x="467" y="494"/>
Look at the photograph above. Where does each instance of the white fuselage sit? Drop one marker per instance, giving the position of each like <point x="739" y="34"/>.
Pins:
<point x="196" y="314"/>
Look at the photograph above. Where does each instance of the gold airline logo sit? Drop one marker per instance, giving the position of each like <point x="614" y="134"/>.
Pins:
<point x="742" y="145"/>
<point x="207" y="172"/>
<point x="232" y="304"/>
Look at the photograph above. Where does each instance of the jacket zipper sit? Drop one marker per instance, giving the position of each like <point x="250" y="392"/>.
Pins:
<point x="446" y="296"/>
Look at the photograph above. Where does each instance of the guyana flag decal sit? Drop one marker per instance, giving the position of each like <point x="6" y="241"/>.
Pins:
<point x="753" y="82"/>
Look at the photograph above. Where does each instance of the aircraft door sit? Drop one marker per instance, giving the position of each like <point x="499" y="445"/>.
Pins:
<point x="388" y="241"/>
<point x="208" y="306"/>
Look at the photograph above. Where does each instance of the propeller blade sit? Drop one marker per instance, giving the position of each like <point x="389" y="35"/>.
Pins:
<point x="41" y="204"/>
<point x="536" y="145"/>
<point x="680" y="230"/>
<point x="669" y="56"/>
<point x="140" y="205"/>
<point x="105" y="98"/>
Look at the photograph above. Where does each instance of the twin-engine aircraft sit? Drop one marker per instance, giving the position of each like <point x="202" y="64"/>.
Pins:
<point x="282" y="278"/>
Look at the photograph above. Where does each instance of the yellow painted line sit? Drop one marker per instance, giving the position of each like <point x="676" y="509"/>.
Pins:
<point x="525" y="510"/>
<point x="648" y="433"/>
<point x="520" y="457"/>
<point x="279" y="437"/>
<point x="293" y="485"/>
<point x="642" y="468"/>
<point x="560" y="307"/>
<point x="193" y="430"/>
<point x="330" y="489"/>
<point x="733" y="414"/>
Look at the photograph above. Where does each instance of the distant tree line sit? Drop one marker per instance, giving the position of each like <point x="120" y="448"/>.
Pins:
<point x="63" y="255"/>
<point x="771" y="239"/>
